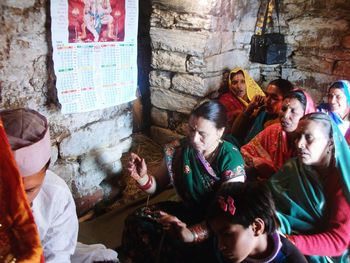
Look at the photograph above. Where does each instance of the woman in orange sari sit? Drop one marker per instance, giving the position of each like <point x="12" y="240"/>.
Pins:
<point x="272" y="147"/>
<point x="19" y="239"/>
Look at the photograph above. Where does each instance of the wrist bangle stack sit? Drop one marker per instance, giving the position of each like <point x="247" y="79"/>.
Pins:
<point x="200" y="232"/>
<point x="195" y="236"/>
<point x="147" y="185"/>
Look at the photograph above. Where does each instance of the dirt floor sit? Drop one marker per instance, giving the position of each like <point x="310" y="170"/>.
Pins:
<point x="107" y="228"/>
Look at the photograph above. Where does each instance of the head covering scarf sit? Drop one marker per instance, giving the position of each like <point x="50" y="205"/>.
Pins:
<point x="263" y="118"/>
<point x="299" y="195"/>
<point x="252" y="87"/>
<point x="346" y="85"/>
<point x="324" y="107"/>
<point x="310" y="105"/>
<point x="29" y="137"/>
<point x="19" y="238"/>
<point x="270" y="147"/>
<point x="342" y="157"/>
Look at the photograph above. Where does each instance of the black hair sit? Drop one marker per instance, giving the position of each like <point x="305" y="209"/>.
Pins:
<point x="251" y="200"/>
<point x="283" y="85"/>
<point x="299" y="95"/>
<point x="213" y="111"/>
<point x="232" y="74"/>
<point x="337" y="85"/>
<point x="322" y="118"/>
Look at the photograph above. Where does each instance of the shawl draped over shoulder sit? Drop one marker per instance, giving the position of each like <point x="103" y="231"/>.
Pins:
<point x="307" y="204"/>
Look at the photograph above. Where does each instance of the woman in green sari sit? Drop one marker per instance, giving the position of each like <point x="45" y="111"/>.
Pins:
<point x="196" y="166"/>
<point x="312" y="191"/>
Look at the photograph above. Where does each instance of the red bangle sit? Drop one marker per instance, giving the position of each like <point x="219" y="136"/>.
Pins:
<point x="200" y="232"/>
<point x="148" y="185"/>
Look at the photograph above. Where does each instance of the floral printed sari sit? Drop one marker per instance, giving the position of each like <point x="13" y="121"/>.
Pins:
<point x="269" y="150"/>
<point x="195" y="180"/>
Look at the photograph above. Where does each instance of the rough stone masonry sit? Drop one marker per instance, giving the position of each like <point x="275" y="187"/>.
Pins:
<point x="194" y="41"/>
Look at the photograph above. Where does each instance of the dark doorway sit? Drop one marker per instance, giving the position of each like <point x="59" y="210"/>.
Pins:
<point x="142" y="106"/>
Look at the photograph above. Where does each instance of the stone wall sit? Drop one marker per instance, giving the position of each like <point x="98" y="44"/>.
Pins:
<point x="86" y="147"/>
<point x="193" y="41"/>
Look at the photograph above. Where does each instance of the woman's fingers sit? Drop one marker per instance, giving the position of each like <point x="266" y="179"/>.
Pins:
<point x="168" y="220"/>
<point x="136" y="166"/>
<point x="262" y="100"/>
<point x="259" y="99"/>
<point x="174" y="226"/>
<point x="134" y="156"/>
<point x="132" y="160"/>
<point x="142" y="168"/>
<point x="139" y="164"/>
<point x="134" y="175"/>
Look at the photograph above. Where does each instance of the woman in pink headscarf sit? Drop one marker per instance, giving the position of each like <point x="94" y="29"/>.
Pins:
<point x="272" y="147"/>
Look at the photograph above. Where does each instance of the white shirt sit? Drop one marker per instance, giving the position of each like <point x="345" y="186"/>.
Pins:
<point x="55" y="215"/>
<point x="92" y="253"/>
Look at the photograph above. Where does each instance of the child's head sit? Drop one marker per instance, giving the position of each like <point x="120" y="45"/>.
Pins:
<point x="242" y="217"/>
<point x="29" y="137"/>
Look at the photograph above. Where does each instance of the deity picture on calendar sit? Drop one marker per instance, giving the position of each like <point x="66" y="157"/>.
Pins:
<point x="96" y="21"/>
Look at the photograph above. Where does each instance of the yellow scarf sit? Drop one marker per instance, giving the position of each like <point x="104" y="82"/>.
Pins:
<point x="251" y="86"/>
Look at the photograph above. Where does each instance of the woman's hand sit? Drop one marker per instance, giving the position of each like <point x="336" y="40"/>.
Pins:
<point x="137" y="167"/>
<point x="265" y="170"/>
<point x="175" y="227"/>
<point x="255" y="103"/>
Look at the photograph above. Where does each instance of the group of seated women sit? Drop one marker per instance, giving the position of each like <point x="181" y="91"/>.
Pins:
<point x="284" y="196"/>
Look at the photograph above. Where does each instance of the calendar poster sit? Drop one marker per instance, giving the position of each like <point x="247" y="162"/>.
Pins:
<point x="94" y="52"/>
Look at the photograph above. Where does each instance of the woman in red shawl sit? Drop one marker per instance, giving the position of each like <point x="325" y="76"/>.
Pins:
<point x="242" y="90"/>
<point x="19" y="239"/>
<point x="272" y="147"/>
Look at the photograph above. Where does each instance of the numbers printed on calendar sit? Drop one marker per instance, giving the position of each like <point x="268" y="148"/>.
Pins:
<point x="95" y="68"/>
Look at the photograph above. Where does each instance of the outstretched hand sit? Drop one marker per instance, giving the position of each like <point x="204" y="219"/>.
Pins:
<point x="175" y="227"/>
<point x="137" y="167"/>
<point x="255" y="103"/>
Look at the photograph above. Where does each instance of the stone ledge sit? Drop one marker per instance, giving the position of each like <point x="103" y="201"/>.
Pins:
<point x="172" y="101"/>
<point x="195" y="85"/>
<point x="160" y="79"/>
<point x="95" y="136"/>
<point x="186" y="6"/>
<point x="170" y="61"/>
<point x="186" y="42"/>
